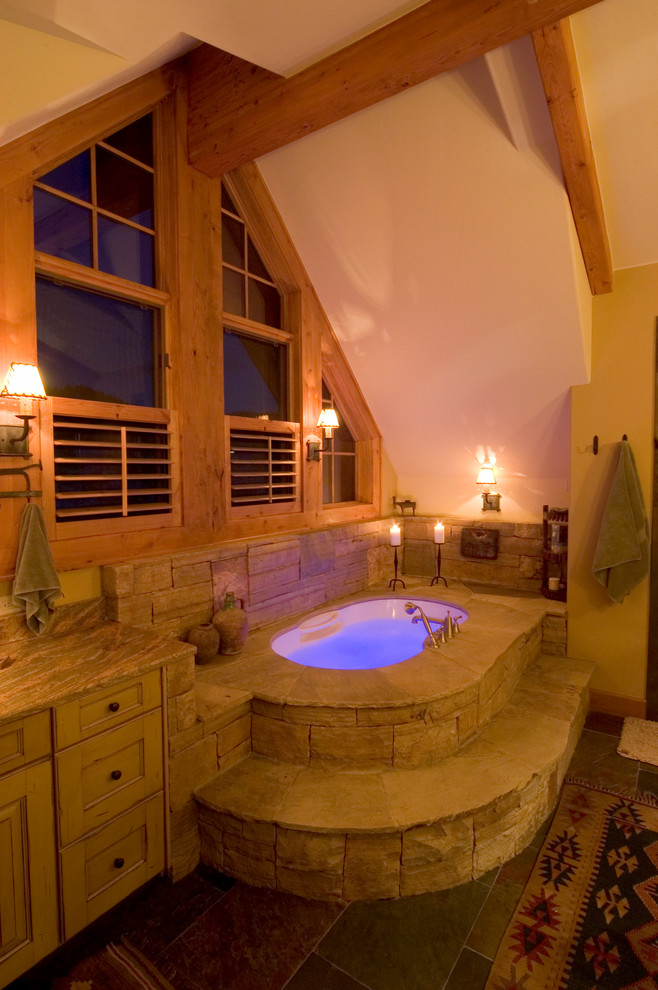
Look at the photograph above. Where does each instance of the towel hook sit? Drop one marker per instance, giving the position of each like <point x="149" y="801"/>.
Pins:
<point x="24" y="492"/>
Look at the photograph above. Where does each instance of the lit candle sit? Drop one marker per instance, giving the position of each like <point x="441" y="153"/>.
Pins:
<point x="439" y="533"/>
<point x="396" y="536"/>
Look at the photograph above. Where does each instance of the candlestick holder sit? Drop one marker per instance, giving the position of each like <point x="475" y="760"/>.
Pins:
<point x="437" y="577"/>
<point x="396" y="580"/>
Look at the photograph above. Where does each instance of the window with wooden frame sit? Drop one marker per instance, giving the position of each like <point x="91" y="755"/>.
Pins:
<point x="338" y="458"/>
<point x="101" y="332"/>
<point x="261" y="435"/>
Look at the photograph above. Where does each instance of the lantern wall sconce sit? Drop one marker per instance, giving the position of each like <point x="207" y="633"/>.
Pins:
<point x="328" y="422"/>
<point x="486" y="478"/>
<point x="23" y="381"/>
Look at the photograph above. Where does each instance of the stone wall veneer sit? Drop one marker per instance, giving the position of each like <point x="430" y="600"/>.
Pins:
<point x="285" y="575"/>
<point x="518" y="564"/>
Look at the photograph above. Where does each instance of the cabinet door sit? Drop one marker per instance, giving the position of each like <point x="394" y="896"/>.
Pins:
<point x="28" y="892"/>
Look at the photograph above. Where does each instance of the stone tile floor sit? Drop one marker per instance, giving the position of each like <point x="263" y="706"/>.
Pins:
<point x="209" y="933"/>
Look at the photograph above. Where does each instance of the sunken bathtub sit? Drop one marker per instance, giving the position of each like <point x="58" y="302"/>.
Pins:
<point x="367" y="634"/>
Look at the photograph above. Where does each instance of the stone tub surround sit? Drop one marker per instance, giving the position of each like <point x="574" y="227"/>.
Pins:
<point x="381" y="783"/>
<point x="403" y="715"/>
<point x="380" y="833"/>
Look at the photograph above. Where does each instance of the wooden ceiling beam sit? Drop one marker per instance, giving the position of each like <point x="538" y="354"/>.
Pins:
<point x="238" y="111"/>
<point x="558" y="67"/>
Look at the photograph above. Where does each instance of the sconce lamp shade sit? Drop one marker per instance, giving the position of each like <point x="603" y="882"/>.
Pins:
<point x="486" y="475"/>
<point x="328" y="419"/>
<point x="23" y="381"/>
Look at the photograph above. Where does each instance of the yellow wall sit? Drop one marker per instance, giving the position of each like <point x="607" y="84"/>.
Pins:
<point x="77" y="585"/>
<point x="619" y="399"/>
<point x="37" y="69"/>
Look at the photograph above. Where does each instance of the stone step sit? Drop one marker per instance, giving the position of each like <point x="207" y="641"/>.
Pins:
<point x="353" y="834"/>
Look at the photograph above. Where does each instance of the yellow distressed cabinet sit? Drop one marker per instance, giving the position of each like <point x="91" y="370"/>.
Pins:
<point x="29" y="926"/>
<point x="92" y="811"/>
<point x="110" y="796"/>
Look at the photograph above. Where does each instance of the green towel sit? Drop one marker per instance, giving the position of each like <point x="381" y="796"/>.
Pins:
<point x="36" y="585"/>
<point x="622" y="554"/>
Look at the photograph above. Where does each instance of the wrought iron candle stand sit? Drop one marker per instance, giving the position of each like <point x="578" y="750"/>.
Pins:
<point x="396" y="580"/>
<point x="437" y="577"/>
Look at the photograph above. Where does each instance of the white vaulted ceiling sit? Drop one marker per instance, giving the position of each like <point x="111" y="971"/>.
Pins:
<point x="435" y="226"/>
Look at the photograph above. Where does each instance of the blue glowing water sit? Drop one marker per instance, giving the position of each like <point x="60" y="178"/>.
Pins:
<point x="378" y="642"/>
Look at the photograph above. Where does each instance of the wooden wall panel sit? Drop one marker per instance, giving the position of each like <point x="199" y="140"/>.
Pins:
<point x="196" y="346"/>
<point x="17" y="343"/>
<point x="190" y="221"/>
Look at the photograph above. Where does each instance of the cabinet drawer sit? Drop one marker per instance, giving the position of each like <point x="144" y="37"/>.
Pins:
<point x="108" y="774"/>
<point x="23" y="741"/>
<point x="101" y="870"/>
<point x="96" y="712"/>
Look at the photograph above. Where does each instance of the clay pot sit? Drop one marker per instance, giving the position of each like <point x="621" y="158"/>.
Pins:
<point x="206" y="639"/>
<point x="232" y="624"/>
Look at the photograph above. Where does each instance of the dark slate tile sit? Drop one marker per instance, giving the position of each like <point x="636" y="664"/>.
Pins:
<point x="154" y="922"/>
<point x="600" y="722"/>
<point x="251" y="939"/>
<point x="489" y="928"/>
<point x="491" y="924"/>
<point x="488" y="879"/>
<point x="596" y="761"/>
<point x="412" y="942"/>
<point x="318" y="974"/>
<point x="647" y="783"/>
<point x="517" y="870"/>
<point x="470" y="973"/>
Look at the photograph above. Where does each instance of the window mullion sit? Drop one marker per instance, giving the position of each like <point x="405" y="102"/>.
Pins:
<point x="94" y="215"/>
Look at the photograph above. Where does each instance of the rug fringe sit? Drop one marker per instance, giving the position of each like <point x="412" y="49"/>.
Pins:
<point x="628" y="794"/>
<point x="140" y="968"/>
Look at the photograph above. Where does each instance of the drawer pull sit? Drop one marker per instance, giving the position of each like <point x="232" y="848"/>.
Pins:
<point x="119" y="862"/>
<point x="116" y="775"/>
<point x="114" y="706"/>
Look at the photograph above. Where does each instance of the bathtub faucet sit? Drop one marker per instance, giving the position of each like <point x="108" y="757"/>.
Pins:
<point x="434" y="639"/>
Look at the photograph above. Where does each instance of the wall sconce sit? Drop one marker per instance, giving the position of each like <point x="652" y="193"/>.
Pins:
<point x="327" y="421"/>
<point x="486" y="478"/>
<point x="23" y="381"/>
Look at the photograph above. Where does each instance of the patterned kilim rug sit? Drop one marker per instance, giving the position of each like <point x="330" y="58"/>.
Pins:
<point x="116" y="967"/>
<point x="588" y="917"/>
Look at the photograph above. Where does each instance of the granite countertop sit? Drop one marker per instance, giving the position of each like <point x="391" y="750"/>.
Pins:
<point x="41" y="672"/>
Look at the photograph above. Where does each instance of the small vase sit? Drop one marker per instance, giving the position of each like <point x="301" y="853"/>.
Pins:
<point x="232" y="624"/>
<point x="206" y="639"/>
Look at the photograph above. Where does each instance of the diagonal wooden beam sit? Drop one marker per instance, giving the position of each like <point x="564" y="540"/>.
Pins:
<point x="556" y="58"/>
<point x="238" y="111"/>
